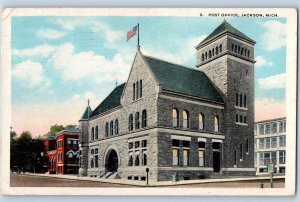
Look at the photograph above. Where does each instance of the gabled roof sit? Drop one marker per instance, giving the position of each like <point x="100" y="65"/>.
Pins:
<point x="87" y="113"/>
<point x="113" y="100"/>
<point x="184" y="80"/>
<point x="222" y="28"/>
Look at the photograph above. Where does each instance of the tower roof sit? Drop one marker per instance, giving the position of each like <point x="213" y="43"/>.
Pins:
<point x="87" y="113"/>
<point x="225" y="27"/>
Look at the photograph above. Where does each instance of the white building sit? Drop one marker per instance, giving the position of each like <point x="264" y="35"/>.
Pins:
<point x="270" y="143"/>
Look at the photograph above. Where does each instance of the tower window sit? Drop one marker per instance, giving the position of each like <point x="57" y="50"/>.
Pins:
<point x="220" y="48"/>
<point x="137" y="89"/>
<point x="217" y="50"/>
<point x="96" y="133"/>
<point x="209" y="54"/>
<point x="213" y="52"/>
<point x="175" y="115"/>
<point x="92" y="134"/>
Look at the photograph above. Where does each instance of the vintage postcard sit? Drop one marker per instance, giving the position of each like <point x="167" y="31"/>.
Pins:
<point x="148" y="101"/>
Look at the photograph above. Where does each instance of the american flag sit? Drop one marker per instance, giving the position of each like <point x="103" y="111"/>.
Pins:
<point x="131" y="33"/>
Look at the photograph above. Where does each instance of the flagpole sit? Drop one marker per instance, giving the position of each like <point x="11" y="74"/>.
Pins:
<point x="138" y="45"/>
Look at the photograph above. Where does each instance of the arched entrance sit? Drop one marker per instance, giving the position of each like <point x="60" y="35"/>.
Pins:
<point x="112" y="161"/>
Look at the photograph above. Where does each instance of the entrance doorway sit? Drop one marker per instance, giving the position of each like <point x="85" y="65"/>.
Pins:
<point x="216" y="156"/>
<point x="112" y="161"/>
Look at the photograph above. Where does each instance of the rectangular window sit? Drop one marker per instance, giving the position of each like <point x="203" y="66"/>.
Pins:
<point x="282" y="141"/>
<point x="241" y="100"/>
<point x="186" y="157"/>
<point x="141" y="88"/>
<point x="237" y="100"/>
<point x="69" y="142"/>
<point x="282" y="157"/>
<point x="236" y="118"/>
<point x="255" y="130"/>
<point x="133" y="91"/>
<point x="267" y="158"/>
<point x="262" y="143"/>
<point x="216" y="145"/>
<point x="241" y="119"/>
<point x="255" y="156"/>
<point x="261" y="159"/>
<point x="130" y="145"/>
<point x="96" y="161"/>
<point x="144" y="157"/>
<point x="201" y="153"/>
<point x="241" y="151"/>
<point x="201" y="158"/>
<point x="175" y="155"/>
<point x="175" y="143"/>
<point x="267" y="128"/>
<point x="245" y="101"/>
<point x="274" y="142"/>
<point x="274" y="128"/>
<point x="144" y="143"/>
<point x="235" y="158"/>
<point x="137" y="144"/>
<point x="273" y="158"/>
<point x="185" y="143"/>
<point x="245" y="119"/>
<point x="261" y="129"/>
<point x="284" y="126"/>
<point x="268" y="143"/>
<point x="247" y="145"/>
<point x="255" y="144"/>
<point x="281" y="127"/>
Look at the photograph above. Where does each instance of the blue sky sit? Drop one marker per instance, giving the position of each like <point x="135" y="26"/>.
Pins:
<point x="60" y="62"/>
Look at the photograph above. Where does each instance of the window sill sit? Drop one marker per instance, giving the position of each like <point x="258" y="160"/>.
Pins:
<point x="136" y="100"/>
<point x="241" y="108"/>
<point x="241" y="124"/>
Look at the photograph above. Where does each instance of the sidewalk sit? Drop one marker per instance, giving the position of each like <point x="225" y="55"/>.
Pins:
<point x="153" y="184"/>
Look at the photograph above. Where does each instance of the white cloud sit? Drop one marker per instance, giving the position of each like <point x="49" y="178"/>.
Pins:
<point x="88" y="65"/>
<point x="275" y="81"/>
<point x="262" y="61"/>
<point x="267" y="108"/>
<point x="44" y="51"/>
<point x="96" y="26"/>
<point x="183" y="55"/>
<point x="274" y="36"/>
<point x="50" y="34"/>
<point x="31" y="73"/>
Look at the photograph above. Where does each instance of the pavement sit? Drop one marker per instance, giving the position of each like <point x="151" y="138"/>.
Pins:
<point x="46" y="180"/>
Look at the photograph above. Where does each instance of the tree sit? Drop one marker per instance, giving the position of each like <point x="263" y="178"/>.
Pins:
<point x="56" y="128"/>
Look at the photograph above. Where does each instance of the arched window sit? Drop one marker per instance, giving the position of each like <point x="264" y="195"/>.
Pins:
<point x="144" y="118"/>
<point x="106" y="129"/>
<point x="217" y="50"/>
<point x="137" y="120"/>
<point x="137" y="159"/>
<point x="144" y="160"/>
<point x="205" y="55"/>
<point x="216" y="123"/>
<point x="175" y="115"/>
<point x="209" y="54"/>
<point x="137" y="89"/>
<point x="92" y="134"/>
<point x="130" y="160"/>
<point x="242" y="51"/>
<point x="96" y="133"/>
<point x="92" y="163"/>
<point x="116" y="126"/>
<point x="239" y="49"/>
<point x="96" y="161"/>
<point x="235" y="48"/>
<point x="213" y="52"/>
<point x="248" y="53"/>
<point x="185" y="117"/>
<point x="133" y="90"/>
<point x="70" y="156"/>
<point x="220" y="47"/>
<point x="201" y="121"/>
<point x="232" y="47"/>
<point x="130" y="122"/>
<point x="202" y="57"/>
<point x="111" y="128"/>
<point x="141" y="88"/>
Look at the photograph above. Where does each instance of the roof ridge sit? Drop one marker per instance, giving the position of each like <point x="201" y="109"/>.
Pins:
<point x="162" y="60"/>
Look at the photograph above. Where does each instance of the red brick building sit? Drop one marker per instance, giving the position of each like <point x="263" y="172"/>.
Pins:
<point x="61" y="152"/>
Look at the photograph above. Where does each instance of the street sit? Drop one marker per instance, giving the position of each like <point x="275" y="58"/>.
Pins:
<point x="20" y="180"/>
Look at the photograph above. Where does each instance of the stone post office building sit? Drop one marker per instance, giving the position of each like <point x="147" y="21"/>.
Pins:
<point x="197" y="122"/>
